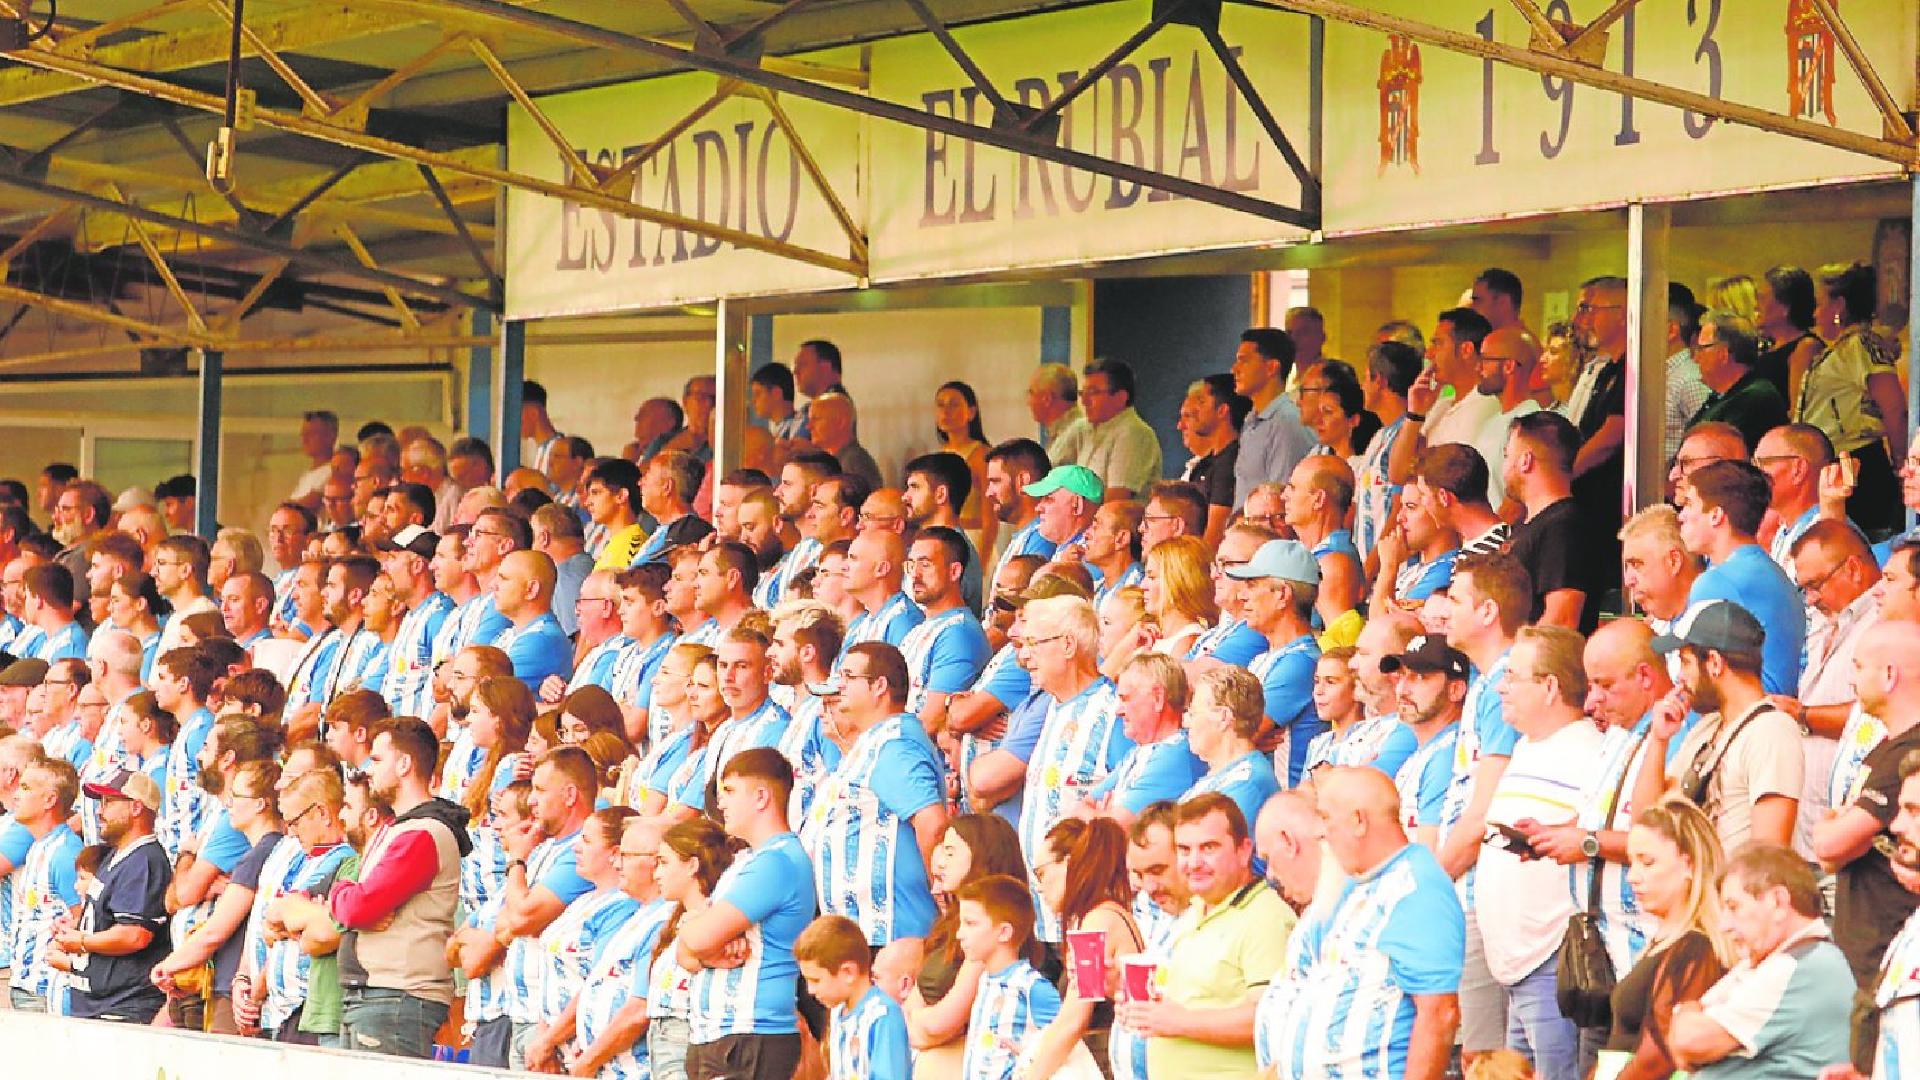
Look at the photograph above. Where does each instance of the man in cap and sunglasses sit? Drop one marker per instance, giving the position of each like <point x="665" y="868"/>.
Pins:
<point x="121" y="933"/>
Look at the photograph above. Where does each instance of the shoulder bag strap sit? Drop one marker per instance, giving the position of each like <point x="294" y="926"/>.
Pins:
<point x="1599" y="861"/>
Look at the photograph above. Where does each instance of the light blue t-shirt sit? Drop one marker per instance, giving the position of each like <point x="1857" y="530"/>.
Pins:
<point x="1152" y="773"/>
<point x="870" y="1040"/>
<point x="772" y="885"/>
<point x="1248" y="780"/>
<point x="1750" y="578"/>
<point x="538" y="650"/>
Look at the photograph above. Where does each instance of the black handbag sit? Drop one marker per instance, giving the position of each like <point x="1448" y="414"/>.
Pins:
<point x="1584" y="977"/>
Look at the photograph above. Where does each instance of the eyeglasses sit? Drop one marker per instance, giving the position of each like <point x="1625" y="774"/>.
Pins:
<point x="1321" y="389"/>
<point x="1773" y="459"/>
<point x="623" y="856"/>
<point x="1036" y="642"/>
<point x="594" y="600"/>
<point x="1585" y="308"/>
<point x="849" y="676"/>
<point x="295" y="818"/>
<point x="1688" y="464"/>
<point x="1820" y="582"/>
<point x="1221" y="566"/>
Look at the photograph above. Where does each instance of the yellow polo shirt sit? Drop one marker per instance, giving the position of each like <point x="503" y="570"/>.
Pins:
<point x="1222" y="957"/>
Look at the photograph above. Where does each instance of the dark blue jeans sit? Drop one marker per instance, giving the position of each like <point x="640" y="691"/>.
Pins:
<point x="391" y="1022"/>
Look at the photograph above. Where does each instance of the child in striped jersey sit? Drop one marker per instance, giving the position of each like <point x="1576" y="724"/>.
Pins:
<point x="869" y="1039"/>
<point x="1013" y="1001"/>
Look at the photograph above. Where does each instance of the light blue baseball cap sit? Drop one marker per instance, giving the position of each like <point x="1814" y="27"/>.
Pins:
<point x="1286" y="559"/>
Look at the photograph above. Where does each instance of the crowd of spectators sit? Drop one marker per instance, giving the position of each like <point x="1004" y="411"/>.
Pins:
<point x="1371" y="741"/>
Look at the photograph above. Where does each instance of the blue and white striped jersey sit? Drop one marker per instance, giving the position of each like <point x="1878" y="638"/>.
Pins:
<point x="596" y="668"/>
<point x="1424" y="778"/>
<point x="184" y="804"/>
<point x="1248" y="780"/>
<point x="1232" y="641"/>
<point x="813" y="754"/>
<point x="1009" y="684"/>
<point x="869" y="1040"/>
<point x="860" y="831"/>
<point x="1482" y="733"/>
<point x="44" y="888"/>
<point x="408" y="685"/>
<point x="286" y="964"/>
<point x="889" y="624"/>
<point x="618" y="975"/>
<point x="549" y="867"/>
<point x="945" y="654"/>
<point x="631" y="681"/>
<point x="669" y="986"/>
<point x="1026" y="540"/>
<point x="1286" y="677"/>
<point x="1345" y="1007"/>
<point x="772" y="885"/>
<point x="571" y="944"/>
<point x="1360" y="744"/>
<point x="1081" y="741"/>
<point x="1010" y="1004"/>
<point x="15" y="842"/>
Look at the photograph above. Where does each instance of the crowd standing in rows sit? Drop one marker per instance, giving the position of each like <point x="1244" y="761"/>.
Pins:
<point x="1369" y="742"/>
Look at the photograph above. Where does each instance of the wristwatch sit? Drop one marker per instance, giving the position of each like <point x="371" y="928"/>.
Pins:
<point x="1590" y="845"/>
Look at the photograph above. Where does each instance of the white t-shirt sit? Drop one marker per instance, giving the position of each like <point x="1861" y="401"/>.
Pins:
<point x="1461" y="421"/>
<point x="1523" y="906"/>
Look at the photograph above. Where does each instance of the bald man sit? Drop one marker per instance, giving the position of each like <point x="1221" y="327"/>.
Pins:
<point x="1834" y="568"/>
<point x="876" y="565"/>
<point x="1704" y="445"/>
<point x="1400" y="906"/>
<point x="1317" y="498"/>
<point x="885" y="509"/>
<point x="1870" y="905"/>
<point x="523" y="591"/>
<point x="246" y="605"/>
<point x="835" y="428"/>
<point x="1290" y="836"/>
<point x="1792" y="456"/>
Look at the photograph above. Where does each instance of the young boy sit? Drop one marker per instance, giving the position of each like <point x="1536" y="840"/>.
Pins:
<point x="869" y="1030"/>
<point x="995" y="929"/>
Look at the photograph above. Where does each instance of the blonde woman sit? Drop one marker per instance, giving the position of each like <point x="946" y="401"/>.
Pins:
<point x="1178" y="592"/>
<point x="1735" y="294"/>
<point x="1673" y="864"/>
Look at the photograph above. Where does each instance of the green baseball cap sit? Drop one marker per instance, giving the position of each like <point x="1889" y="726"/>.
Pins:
<point x="1078" y="479"/>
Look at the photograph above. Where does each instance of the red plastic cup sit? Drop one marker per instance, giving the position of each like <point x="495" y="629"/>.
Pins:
<point x="1136" y="974"/>
<point x="1087" y="952"/>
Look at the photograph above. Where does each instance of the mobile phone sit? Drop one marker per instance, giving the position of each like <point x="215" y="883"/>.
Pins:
<point x="1849" y="470"/>
<point x="1513" y="840"/>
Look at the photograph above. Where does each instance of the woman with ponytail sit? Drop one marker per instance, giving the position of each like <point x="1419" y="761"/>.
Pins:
<point x="693" y="855"/>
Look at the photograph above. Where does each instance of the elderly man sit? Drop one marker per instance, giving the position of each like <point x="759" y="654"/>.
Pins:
<point x="1792" y="456"/>
<point x="1834" y="568"/>
<point x="1053" y="399"/>
<point x="1111" y="440"/>
<point x="1398" y="905"/>
<point x="1067" y="499"/>
<point x="1783" y="1010"/>
<point x="1081" y="738"/>
<point x="1277" y="593"/>
<point x="835" y="429"/>
<point x="667" y="487"/>
<point x="1726" y="353"/>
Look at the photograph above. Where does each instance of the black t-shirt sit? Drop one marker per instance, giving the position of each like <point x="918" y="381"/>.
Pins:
<point x="133" y="892"/>
<point x="1871" y="905"/>
<point x="246" y="875"/>
<point x="1214" y="474"/>
<point x="1555" y="546"/>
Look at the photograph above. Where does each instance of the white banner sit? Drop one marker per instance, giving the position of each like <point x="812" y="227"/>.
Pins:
<point x="733" y="168"/>
<point x="1420" y="135"/>
<point x="36" y="1042"/>
<point x="944" y="206"/>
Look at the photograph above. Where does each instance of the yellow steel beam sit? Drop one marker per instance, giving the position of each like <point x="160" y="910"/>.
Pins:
<point x="577" y="168"/>
<point x="856" y="239"/>
<point x="353" y="111"/>
<point x="335" y="133"/>
<point x="93" y="313"/>
<point x="360" y="252"/>
<point x="159" y="261"/>
<point x="229" y="320"/>
<point x="26" y="239"/>
<point x="316" y="103"/>
<point x="346" y="344"/>
<point x="304" y="27"/>
<point x="1598" y="27"/>
<point x="622" y="176"/>
<point x="81" y="39"/>
<point x="1902" y="154"/>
